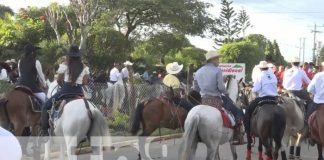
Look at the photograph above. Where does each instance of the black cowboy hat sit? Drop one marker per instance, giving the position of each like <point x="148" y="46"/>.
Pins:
<point x="29" y="48"/>
<point x="74" y="51"/>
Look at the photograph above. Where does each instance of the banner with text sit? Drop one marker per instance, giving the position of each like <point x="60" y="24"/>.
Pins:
<point x="236" y="69"/>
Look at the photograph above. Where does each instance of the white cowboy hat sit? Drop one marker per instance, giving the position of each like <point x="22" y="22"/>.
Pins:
<point x="13" y="61"/>
<point x="174" y="68"/>
<point x="128" y="63"/>
<point x="212" y="54"/>
<point x="8" y="61"/>
<point x="263" y="64"/>
<point x="270" y="65"/>
<point x="295" y="59"/>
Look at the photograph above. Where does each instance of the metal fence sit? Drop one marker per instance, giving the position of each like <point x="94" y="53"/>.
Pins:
<point x="116" y="102"/>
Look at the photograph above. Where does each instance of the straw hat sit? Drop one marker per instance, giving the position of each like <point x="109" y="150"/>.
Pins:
<point x="173" y="68"/>
<point x="13" y="61"/>
<point x="263" y="64"/>
<point x="212" y="54"/>
<point x="295" y="59"/>
<point x="128" y="63"/>
<point x="8" y="61"/>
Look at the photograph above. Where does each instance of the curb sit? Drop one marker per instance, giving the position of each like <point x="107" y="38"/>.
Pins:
<point x="129" y="143"/>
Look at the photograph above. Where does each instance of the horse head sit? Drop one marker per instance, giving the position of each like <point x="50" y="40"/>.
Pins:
<point x="246" y="95"/>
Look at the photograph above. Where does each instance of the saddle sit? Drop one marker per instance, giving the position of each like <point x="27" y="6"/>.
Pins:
<point x="262" y="103"/>
<point x="58" y="106"/>
<point x="36" y="102"/>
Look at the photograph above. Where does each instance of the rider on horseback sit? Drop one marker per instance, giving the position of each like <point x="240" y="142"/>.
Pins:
<point x="316" y="87"/>
<point x="71" y="76"/>
<point x="172" y="81"/>
<point x="293" y="81"/>
<point x="31" y="73"/>
<point x="265" y="86"/>
<point x="209" y="82"/>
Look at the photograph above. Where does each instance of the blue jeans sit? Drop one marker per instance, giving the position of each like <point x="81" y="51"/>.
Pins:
<point x="230" y="106"/>
<point x="185" y="104"/>
<point x="66" y="89"/>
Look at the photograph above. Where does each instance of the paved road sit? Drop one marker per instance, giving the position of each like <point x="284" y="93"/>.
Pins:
<point x="168" y="150"/>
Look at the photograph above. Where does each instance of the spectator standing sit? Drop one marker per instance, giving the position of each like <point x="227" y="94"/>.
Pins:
<point x="280" y="75"/>
<point x="125" y="72"/>
<point x="146" y="76"/>
<point x="114" y="73"/>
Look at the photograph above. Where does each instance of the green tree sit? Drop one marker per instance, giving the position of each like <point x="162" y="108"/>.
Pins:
<point x="5" y="10"/>
<point x="242" y="52"/>
<point x="277" y="56"/>
<point x="243" y="21"/>
<point x="227" y="25"/>
<point x="187" y="56"/>
<point x="147" y="16"/>
<point x="321" y="56"/>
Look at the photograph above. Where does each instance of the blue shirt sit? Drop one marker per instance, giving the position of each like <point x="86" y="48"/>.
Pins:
<point x="209" y="81"/>
<point x="146" y="76"/>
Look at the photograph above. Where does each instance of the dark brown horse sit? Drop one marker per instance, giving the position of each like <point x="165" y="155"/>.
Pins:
<point x="16" y="113"/>
<point x="317" y="130"/>
<point x="154" y="114"/>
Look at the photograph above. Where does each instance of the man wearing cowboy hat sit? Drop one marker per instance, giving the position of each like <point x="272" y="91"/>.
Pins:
<point x="172" y="81"/>
<point x="124" y="71"/>
<point x="209" y="82"/>
<point x="31" y="73"/>
<point x="256" y="70"/>
<point x="265" y="86"/>
<point x="293" y="81"/>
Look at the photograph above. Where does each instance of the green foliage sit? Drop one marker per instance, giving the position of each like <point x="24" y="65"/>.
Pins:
<point x="5" y="87"/>
<point x="106" y="46"/>
<point x="118" y="120"/>
<point x="242" y="52"/>
<point x="185" y="16"/>
<point x="243" y="21"/>
<point x="8" y="32"/>
<point x="187" y="56"/>
<point x="227" y="27"/>
<point x="50" y="52"/>
<point x="5" y="10"/>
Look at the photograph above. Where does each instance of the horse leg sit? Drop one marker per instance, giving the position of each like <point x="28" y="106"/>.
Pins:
<point x="193" y="149"/>
<point x="217" y="157"/>
<point x="233" y="150"/>
<point x="47" y="150"/>
<point x="277" y="148"/>
<point x="147" y="131"/>
<point x="320" y="152"/>
<point x="71" y="144"/>
<point x="260" y="147"/>
<point x="249" y="146"/>
<point x="268" y="147"/>
<point x="292" y="147"/>
<point x="212" y="149"/>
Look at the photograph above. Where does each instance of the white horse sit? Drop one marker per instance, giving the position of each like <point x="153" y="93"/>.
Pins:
<point x="294" y="125"/>
<point x="205" y="123"/>
<point x="75" y="125"/>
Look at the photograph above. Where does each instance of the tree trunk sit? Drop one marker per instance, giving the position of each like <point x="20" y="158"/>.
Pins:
<point x="84" y="36"/>
<point x="189" y="78"/>
<point x="58" y="37"/>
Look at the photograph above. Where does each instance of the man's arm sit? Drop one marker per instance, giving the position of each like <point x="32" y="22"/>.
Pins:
<point x="311" y="86"/>
<point x="40" y="73"/>
<point x="257" y="85"/>
<point x="305" y="77"/>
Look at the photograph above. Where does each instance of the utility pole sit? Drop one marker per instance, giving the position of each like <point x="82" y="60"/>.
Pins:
<point x="300" y="49"/>
<point x="304" y="39"/>
<point x="315" y="31"/>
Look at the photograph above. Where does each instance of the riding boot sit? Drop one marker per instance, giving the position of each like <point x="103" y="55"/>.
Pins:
<point x="44" y="123"/>
<point x="238" y="137"/>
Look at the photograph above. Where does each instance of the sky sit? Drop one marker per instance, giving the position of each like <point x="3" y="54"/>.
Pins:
<point x="286" y="21"/>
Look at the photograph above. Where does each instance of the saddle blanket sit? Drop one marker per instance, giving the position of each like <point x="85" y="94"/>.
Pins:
<point x="228" y="119"/>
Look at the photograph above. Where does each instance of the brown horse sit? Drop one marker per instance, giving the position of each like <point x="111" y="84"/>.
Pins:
<point x="16" y="113"/>
<point x="317" y="130"/>
<point x="156" y="113"/>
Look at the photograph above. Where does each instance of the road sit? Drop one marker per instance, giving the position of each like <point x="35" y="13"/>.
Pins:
<point x="168" y="150"/>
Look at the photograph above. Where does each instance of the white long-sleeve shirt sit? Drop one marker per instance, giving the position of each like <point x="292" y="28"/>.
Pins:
<point x="3" y="75"/>
<point x="316" y="87"/>
<point x="114" y="74"/>
<point x="265" y="84"/>
<point x="293" y="79"/>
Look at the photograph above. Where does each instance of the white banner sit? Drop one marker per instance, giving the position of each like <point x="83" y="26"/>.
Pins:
<point x="236" y="69"/>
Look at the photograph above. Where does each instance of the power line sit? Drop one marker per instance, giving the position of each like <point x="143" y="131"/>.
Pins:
<point x="315" y="31"/>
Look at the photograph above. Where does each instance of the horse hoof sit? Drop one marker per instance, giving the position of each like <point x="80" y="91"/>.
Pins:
<point x="291" y="157"/>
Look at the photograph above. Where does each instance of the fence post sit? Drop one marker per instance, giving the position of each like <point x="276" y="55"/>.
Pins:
<point x="189" y="78"/>
<point x="131" y="95"/>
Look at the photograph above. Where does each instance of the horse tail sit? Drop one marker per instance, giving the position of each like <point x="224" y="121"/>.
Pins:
<point x="278" y="124"/>
<point x="99" y="128"/>
<point x="189" y="136"/>
<point x="138" y="118"/>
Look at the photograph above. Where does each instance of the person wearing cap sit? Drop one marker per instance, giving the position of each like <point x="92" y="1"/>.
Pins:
<point x="265" y="86"/>
<point x="72" y="74"/>
<point x="172" y="81"/>
<point x="316" y="88"/>
<point x="208" y="81"/>
<point x="293" y="81"/>
<point x="114" y="73"/>
<point x="124" y="71"/>
<point x="31" y="73"/>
